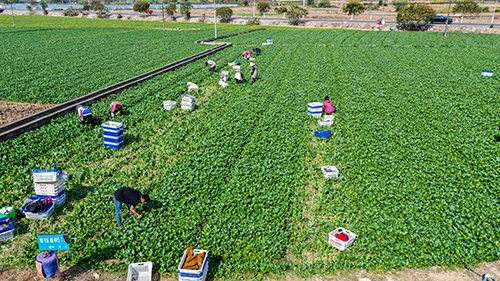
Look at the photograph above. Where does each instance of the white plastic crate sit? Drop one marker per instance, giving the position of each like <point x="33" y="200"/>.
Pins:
<point x="188" y="98"/>
<point x="40" y="216"/>
<point x="169" y="104"/>
<point x="339" y="244"/>
<point x="223" y="84"/>
<point x="316" y="115"/>
<point x="313" y="105"/>
<point x="52" y="175"/>
<point x="192" y="87"/>
<point x="237" y="67"/>
<point x="50" y="185"/>
<point x="193" y="275"/>
<point x="188" y="106"/>
<point x="330" y="171"/>
<point x="231" y="64"/>
<point x="4" y="236"/>
<point x="48" y="192"/>
<point x="142" y="271"/>
<point x="325" y="123"/>
<point x="329" y="118"/>
<point x="112" y="126"/>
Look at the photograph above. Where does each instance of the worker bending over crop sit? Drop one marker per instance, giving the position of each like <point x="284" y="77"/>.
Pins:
<point x="116" y="108"/>
<point x="328" y="107"/>
<point x="85" y="114"/>
<point x="240" y="78"/>
<point x="212" y="65"/>
<point x="253" y="72"/>
<point x="132" y="198"/>
<point x="236" y="61"/>
<point x="247" y="55"/>
<point x="257" y="51"/>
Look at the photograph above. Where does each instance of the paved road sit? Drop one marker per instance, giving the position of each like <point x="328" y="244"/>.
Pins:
<point x="315" y="20"/>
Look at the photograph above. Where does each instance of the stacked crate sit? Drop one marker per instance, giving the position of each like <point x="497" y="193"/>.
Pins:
<point x="113" y="134"/>
<point x="188" y="102"/>
<point x="315" y="109"/>
<point x="49" y="183"/>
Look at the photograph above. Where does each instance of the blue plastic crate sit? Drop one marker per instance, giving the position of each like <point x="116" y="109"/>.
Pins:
<point x="116" y="140"/>
<point x="47" y="171"/>
<point x="112" y="133"/>
<point x="113" y="145"/>
<point x="323" y="133"/>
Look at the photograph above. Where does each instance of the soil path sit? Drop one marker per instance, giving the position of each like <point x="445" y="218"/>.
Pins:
<point x="11" y="111"/>
<point x="429" y="274"/>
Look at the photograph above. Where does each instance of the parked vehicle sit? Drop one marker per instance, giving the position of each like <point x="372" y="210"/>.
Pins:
<point x="442" y="19"/>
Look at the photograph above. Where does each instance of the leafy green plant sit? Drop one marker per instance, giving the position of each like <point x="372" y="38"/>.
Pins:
<point x="467" y="7"/>
<point x="253" y="21"/>
<point x="324" y="4"/>
<point x="399" y="5"/>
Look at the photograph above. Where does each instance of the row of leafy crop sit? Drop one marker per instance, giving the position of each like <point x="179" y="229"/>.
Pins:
<point x="414" y="140"/>
<point x="223" y="178"/>
<point x="369" y="39"/>
<point x="54" y="65"/>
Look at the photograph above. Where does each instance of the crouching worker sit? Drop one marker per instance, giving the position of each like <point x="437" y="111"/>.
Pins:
<point x="212" y="65"/>
<point x="85" y="114"/>
<point x="132" y="198"/>
<point x="328" y="107"/>
<point x="257" y="51"/>
<point x="240" y="78"/>
<point x="116" y="108"/>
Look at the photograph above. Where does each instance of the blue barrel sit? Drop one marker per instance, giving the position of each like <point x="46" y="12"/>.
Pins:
<point x="47" y="266"/>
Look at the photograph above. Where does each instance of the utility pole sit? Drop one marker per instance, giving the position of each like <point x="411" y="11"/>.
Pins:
<point x="482" y="7"/>
<point x="253" y="8"/>
<point x="370" y="10"/>
<point x="447" y="19"/>
<point x="493" y="16"/>
<point x="163" y="13"/>
<point x="12" y="11"/>
<point x="215" y="17"/>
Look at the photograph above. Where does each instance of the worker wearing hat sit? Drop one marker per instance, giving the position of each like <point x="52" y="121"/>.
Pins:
<point x="253" y="72"/>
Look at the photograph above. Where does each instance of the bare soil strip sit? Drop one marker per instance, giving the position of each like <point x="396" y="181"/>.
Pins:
<point x="12" y="111"/>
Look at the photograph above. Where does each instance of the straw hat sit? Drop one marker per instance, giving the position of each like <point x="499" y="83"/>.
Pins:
<point x="252" y="64"/>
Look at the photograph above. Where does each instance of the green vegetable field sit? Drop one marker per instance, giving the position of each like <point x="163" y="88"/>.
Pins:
<point x="240" y="176"/>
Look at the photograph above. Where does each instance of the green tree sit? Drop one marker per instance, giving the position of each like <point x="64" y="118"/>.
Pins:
<point x="294" y="13"/>
<point x="467" y="7"/>
<point x="324" y="4"/>
<point x="281" y="10"/>
<point x="186" y="9"/>
<point x="310" y="2"/>
<point x="352" y="8"/>
<point x="415" y="17"/>
<point x="170" y="10"/>
<point x="263" y="7"/>
<point x="141" y="6"/>
<point x="398" y="5"/>
<point x="224" y="13"/>
<point x="44" y="6"/>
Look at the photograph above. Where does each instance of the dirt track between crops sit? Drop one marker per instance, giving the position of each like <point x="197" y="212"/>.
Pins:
<point x="430" y="274"/>
<point x="12" y="111"/>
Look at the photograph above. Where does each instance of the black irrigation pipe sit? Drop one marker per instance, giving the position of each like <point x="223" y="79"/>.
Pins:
<point x="32" y="122"/>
